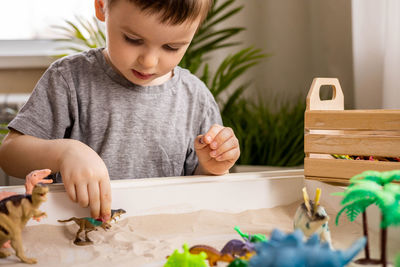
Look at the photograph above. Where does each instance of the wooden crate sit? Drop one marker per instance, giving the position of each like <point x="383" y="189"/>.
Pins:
<point x="329" y="129"/>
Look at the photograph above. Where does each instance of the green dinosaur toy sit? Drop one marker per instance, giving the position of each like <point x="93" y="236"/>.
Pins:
<point x="239" y="263"/>
<point x="186" y="259"/>
<point x="252" y="238"/>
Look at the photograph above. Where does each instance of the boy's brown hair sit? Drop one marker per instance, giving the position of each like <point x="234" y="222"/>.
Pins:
<point x="172" y="11"/>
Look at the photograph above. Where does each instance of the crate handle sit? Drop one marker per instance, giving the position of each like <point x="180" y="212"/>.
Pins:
<point x="314" y="102"/>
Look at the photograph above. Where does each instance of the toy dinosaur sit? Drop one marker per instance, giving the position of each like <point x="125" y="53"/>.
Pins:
<point x="213" y="255"/>
<point x="239" y="263"/>
<point x="116" y="213"/>
<point x="236" y="247"/>
<point x="290" y="250"/>
<point x="33" y="178"/>
<point x="88" y="224"/>
<point x="186" y="259"/>
<point x="312" y="218"/>
<point x="15" y="212"/>
<point x="250" y="238"/>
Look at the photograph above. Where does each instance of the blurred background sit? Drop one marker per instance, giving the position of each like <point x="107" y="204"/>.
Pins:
<point x="258" y="57"/>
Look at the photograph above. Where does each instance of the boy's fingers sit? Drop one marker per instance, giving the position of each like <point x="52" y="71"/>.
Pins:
<point x="94" y="199"/>
<point x="82" y="195"/>
<point x="199" y="142"/>
<point x="231" y="143"/>
<point x="212" y="133"/>
<point x="222" y="137"/>
<point x="70" y="188"/>
<point x="105" y="200"/>
<point x="230" y="155"/>
<point x="46" y="181"/>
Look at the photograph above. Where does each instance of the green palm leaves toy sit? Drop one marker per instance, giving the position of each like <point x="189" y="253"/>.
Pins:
<point x="373" y="188"/>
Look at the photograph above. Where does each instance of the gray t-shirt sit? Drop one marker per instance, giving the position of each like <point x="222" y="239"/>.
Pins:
<point x="139" y="131"/>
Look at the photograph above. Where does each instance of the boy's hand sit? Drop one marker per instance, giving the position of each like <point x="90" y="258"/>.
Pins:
<point x="217" y="150"/>
<point x="86" y="179"/>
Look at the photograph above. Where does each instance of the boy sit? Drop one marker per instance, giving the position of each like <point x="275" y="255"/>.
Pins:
<point x="125" y="111"/>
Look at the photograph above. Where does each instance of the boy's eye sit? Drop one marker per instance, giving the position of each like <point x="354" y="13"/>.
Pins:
<point x="133" y="41"/>
<point x="170" y="48"/>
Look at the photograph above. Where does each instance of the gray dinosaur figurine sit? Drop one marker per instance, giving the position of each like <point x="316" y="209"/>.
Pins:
<point x="291" y="251"/>
<point x="312" y="218"/>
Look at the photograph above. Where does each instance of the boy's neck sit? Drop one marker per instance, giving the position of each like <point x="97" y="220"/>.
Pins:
<point x="162" y="79"/>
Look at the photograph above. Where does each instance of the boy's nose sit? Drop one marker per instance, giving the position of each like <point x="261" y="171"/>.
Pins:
<point x="148" y="60"/>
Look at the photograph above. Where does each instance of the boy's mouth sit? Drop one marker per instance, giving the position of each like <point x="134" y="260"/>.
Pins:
<point x="142" y="76"/>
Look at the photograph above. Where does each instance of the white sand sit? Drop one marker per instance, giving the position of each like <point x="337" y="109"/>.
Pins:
<point x="147" y="240"/>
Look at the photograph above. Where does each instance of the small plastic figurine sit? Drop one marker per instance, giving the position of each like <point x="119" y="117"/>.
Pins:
<point x="373" y="188"/>
<point x="33" y="178"/>
<point x="251" y="238"/>
<point x="116" y="213"/>
<point x="86" y="224"/>
<point x="89" y="224"/>
<point x="238" y="248"/>
<point x="186" y="259"/>
<point x="312" y="218"/>
<point x="213" y="255"/>
<point x="15" y="212"/>
<point x="239" y="263"/>
<point x="290" y="250"/>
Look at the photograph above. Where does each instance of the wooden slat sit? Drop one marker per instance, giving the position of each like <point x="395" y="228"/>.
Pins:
<point x="344" y="169"/>
<point x="382" y="120"/>
<point x="329" y="180"/>
<point x="337" y="181"/>
<point x="352" y="145"/>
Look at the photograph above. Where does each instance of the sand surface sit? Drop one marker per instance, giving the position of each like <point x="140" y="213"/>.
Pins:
<point x="147" y="240"/>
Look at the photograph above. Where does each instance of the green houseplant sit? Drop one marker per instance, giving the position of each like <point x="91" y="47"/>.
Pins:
<point x="3" y="131"/>
<point x="265" y="137"/>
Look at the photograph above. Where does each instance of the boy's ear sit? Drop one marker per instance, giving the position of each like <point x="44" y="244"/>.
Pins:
<point x="100" y="12"/>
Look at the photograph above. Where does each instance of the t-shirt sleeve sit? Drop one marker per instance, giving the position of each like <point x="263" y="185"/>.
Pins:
<point x="46" y="113"/>
<point x="213" y="116"/>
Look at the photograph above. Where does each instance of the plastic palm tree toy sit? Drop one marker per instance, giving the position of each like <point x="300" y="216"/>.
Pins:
<point x="365" y="189"/>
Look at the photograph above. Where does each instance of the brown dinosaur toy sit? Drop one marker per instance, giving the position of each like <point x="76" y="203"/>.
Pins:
<point x="15" y="212"/>
<point x="88" y="224"/>
<point x="213" y="255"/>
<point x="32" y="179"/>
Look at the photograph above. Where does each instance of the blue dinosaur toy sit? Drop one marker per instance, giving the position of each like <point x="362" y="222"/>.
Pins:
<point x="291" y="251"/>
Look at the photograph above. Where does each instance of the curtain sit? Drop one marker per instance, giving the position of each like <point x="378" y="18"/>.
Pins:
<point x="376" y="53"/>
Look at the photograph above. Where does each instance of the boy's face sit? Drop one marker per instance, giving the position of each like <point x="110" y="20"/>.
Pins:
<point x="139" y="46"/>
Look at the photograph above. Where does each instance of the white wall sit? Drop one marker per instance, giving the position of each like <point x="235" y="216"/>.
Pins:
<point x="307" y="38"/>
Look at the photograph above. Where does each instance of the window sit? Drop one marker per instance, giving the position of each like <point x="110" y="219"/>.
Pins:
<point x="33" y="19"/>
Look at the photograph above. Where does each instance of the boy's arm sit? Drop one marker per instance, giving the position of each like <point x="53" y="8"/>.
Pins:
<point x="20" y="154"/>
<point x="84" y="173"/>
